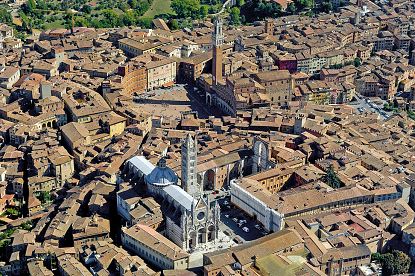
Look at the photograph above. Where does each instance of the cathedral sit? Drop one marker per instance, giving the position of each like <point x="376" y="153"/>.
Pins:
<point x="191" y="219"/>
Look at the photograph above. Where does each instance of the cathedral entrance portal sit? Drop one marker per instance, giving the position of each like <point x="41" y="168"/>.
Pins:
<point x="201" y="235"/>
<point x="192" y="240"/>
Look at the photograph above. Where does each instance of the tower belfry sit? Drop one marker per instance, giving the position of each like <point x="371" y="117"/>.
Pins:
<point x="217" y="42"/>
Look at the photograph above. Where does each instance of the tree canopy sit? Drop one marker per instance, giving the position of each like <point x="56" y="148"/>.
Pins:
<point x="260" y="9"/>
<point x="5" y="16"/>
<point x="332" y="179"/>
<point x="235" y="16"/>
<point x="186" y="8"/>
<point x="393" y="263"/>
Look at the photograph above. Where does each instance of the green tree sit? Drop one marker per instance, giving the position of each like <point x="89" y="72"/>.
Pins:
<point x="81" y="22"/>
<point x="12" y="212"/>
<point x="144" y="22"/>
<point x="27" y="226"/>
<point x="326" y="7"/>
<point x="357" y="62"/>
<point x="393" y="263"/>
<point x="259" y="10"/>
<point x="128" y="18"/>
<point x="332" y="179"/>
<point x="41" y="4"/>
<point x="203" y="11"/>
<point x="291" y="8"/>
<point x="240" y="3"/>
<point x="174" y="24"/>
<point x="5" y="16"/>
<point x="30" y="6"/>
<point x="44" y="197"/>
<point x="133" y="3"/>
<point x="123" y="6"/>
<point x="186" y="8"/>
<point x="235" y="16"/>
<point x="111" y="19"/>
<point x="303" y="4"/>
<point x="86" y="9"/>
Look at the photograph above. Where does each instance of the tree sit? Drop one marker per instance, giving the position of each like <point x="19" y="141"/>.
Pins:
<point x="86" y="9"/>
<point x="12" y="212"/>
<point x="133" y="4"/>
<point x="111" y="19"/>
<point x="393" y="263"/>
<point x="174" y="24"/>
<point x="326" y="7"/>
<point x="240" y="3"/>
<point x="128" y="18"/>
<point x="27" y="225"/>
<point x="30" y="6"/>
<point x="81" y="22"/>
<point x="5" y="16"/>
<point x="144" y="22"/>
<point x="291" y="8"/>
<point x="235" y="15"/>
<point x="304" y="4"/>
<point x="357" y="62"/>
<point x="260" y="9"/>
<point x="44" y="197"/>
<point x="203" y="11"/>
<point x="40" y="4"/>
<point x="186" y="8"/>
<point x="332" y="179"/>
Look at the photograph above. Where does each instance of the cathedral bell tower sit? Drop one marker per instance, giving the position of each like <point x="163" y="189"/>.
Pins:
<point x="189" y="164"/>
<point x="217" y="42"/>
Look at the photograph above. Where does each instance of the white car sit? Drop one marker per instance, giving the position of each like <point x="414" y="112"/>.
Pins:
<point x="257" y="226"/>
<point x="245" y="229"/>
<point x="243" y="221"/>
<point x="226" y="216"/>
<point x="235" y="219"/>
<point x="225" y="202"/>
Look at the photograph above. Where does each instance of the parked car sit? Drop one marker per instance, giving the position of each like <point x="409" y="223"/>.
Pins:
<point x="226" y="215"/>
<point x="243" y="221"/>
<point x="235" y="220"/>
<point x="245" y="229"/>
<point x="257" y="226"/>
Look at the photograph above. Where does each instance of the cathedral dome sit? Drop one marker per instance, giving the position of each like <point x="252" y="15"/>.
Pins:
<point x="161" y="176"/>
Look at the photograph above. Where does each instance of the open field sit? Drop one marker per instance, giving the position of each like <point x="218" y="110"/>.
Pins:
<point x="158" y="7"/>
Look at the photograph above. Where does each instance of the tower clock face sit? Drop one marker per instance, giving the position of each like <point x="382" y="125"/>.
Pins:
<point x="201" y="215"/>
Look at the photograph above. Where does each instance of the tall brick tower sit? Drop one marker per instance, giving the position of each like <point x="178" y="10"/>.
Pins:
<point x="217" y="42"/>
<point x="269" y="27"/>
